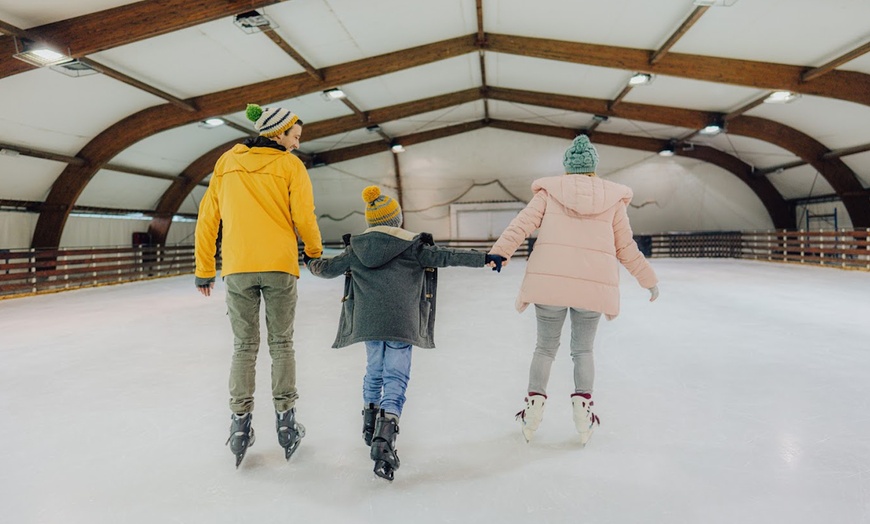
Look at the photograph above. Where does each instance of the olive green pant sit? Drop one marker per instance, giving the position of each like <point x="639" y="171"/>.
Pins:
<point x="243" y="307"/>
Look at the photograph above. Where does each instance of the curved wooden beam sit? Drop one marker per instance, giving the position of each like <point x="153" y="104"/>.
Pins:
<point x="835" y="171"/>
<point x="844" y="181"/>
<point x="175" y="194"/>
<point x="777" y="208"/>
<point x="147" y="122"/>
<point x="769" y="131"/>
<point x="844" y="85"/>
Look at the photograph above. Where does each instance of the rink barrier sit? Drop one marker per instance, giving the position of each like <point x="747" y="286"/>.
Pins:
<point x="839" y="249"/>
<point x="26" y="272"/>
<point x="37" y="271"/>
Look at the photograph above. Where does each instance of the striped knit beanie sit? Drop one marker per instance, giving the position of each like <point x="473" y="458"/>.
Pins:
<point x="381" y="210"/>
<point x="581" y="157"/>
<point x="271" y="121"/>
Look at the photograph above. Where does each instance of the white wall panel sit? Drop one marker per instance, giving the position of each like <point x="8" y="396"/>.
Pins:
<point x="16" y="229"/>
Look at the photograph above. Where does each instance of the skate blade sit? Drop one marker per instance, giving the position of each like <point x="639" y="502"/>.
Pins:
<point x="384" y="470"/>
<point x="290" y="450"/>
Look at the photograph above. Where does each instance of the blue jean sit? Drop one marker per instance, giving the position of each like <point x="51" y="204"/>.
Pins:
<point x="584" y="324"/>
<point x="388" y="369"/>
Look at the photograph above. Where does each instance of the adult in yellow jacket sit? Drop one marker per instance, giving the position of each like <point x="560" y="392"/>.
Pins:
<point x="262" y="195"/>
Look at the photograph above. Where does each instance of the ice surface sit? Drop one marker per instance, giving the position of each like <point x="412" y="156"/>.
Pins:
<point x="740" y="396"/>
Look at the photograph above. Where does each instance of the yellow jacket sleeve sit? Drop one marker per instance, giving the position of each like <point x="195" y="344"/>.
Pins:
<point x="207" y="225"/>
<point x="302" y="212"/>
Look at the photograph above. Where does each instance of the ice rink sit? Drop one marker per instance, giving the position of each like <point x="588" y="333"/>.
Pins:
<point x="741" y="396"/>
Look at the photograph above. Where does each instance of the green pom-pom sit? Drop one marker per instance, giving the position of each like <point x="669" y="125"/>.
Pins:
<point x="253" y="112"/>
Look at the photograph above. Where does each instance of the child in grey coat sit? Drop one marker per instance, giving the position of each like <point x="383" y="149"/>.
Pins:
<point x="389" y="304"/>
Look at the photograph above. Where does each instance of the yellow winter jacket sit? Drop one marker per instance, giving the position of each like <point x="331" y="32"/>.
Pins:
<point x="261" y="194"/>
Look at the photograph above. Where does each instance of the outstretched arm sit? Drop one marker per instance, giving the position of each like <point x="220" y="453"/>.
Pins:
<point x="434" y="256"/>
<point x="521" y="227"/>
<point x="330" y="267"/>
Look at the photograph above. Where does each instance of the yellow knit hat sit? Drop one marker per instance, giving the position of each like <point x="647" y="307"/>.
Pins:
<point x="381" y="210"/>
<point x="270" y="121"/>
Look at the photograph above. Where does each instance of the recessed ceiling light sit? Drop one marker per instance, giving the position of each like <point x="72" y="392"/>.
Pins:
<point x="210" y="123"/>
<point x="781" y="97"/>
<point x="397" y="148"/>
<point x="640" y="79"/>
<point x="38" y="54"/>
<point x="254" y="22"/>
<point x="333" y="94"/>
<point x="712" y="129"/>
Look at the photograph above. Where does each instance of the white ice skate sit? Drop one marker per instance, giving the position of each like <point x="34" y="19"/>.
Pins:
<point x="530" y="417"/>
<point x="584" y="418"/>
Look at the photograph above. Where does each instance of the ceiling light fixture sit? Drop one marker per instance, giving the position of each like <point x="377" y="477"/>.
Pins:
<point x="781" y="97"/>
<point x="254" y="22"/>
<point x="38" y="54"/>
<point x="668" y="150"/>
<point x="9" y="152"/>
<point x="373" y="128"/>
<point x="333" y="94"/>
<point x="714" y="128"/>
<point x="640" y="79"/>
<point x="600" y="118"/>
<point x="397" y="148"/>
<point x="210" y="123"/>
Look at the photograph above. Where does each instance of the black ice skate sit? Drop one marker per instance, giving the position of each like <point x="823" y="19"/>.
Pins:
<point x="369" y="414"/>
<point x="241" y="436"/>
<point x="290" y="432"/>
<point x="383" y="450"/>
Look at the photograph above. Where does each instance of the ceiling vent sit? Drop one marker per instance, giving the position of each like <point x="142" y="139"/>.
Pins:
<point x="74" y="69"/>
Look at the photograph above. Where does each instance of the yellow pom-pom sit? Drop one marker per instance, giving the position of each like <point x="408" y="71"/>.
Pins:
<point x="371" y="193"/>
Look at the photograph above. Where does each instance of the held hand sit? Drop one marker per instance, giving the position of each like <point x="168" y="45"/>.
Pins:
<point x="306" y="259"/>
<point x="653" y="293"/>
<point x="495" y="262"/>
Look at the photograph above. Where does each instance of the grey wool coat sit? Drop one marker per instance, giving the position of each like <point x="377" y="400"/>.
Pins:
<point x="388" y="297"/>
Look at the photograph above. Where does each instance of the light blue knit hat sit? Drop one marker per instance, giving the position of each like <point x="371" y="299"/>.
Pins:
<point x="581" y="157"/>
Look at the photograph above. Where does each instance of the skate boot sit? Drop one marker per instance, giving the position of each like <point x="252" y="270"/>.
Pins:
<point x="369" y="414"/>
<point x="290" y="432"/>
<point x="530" y="417"/>
<point x="241" y="435"/>
<point x="383" y="450"/>
<point x="584" y="418"/>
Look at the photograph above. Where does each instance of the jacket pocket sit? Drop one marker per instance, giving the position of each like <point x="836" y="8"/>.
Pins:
<point x="425" y="312"/>
<point x="346" y="317"/>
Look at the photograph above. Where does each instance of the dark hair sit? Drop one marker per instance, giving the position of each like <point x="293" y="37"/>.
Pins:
<point x="296" y="123"/>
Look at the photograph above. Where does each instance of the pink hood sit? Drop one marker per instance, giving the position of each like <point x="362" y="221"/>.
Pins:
<point x="583" y="195"/>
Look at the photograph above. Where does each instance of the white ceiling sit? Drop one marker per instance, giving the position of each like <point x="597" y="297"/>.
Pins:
<point x="44" y="110"/>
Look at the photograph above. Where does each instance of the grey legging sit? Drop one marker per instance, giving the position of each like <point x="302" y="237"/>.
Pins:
<point x="584" y="324"/>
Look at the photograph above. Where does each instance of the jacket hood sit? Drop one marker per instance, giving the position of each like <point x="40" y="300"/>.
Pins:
<point x="257" y="156"/>
<point x="378" y="245"/>
<point x="583" y="195"/>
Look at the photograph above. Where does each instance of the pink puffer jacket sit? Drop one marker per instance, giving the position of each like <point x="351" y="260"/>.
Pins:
<point x="584" y="234"/>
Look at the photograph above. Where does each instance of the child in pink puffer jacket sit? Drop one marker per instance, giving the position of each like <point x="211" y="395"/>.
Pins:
<point x="584" y="234"/>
